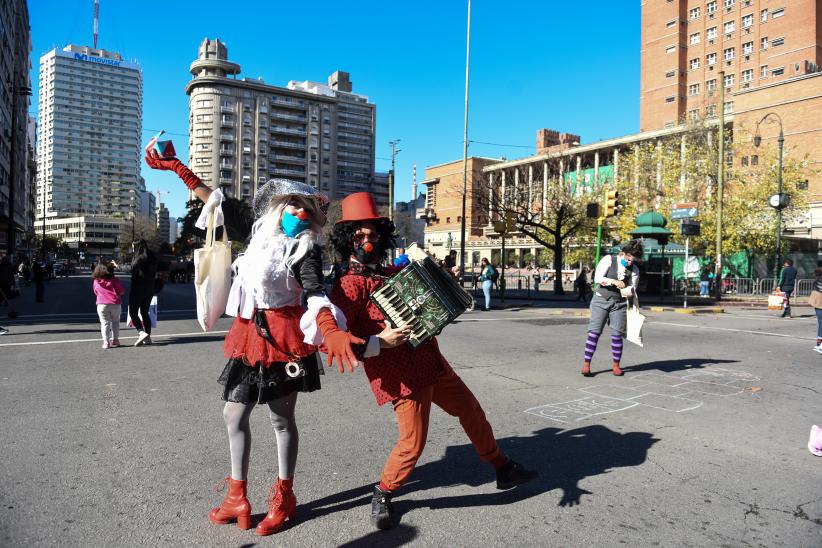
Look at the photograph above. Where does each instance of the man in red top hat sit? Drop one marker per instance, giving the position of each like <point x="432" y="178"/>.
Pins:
<point x="410" y="379"/>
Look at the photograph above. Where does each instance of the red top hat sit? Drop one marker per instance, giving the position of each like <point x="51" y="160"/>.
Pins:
<point x="359" y="206"/>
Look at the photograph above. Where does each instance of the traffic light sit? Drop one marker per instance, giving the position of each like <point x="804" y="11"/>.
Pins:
<point x="592" y="211"/>
<point x="611" y="204"/>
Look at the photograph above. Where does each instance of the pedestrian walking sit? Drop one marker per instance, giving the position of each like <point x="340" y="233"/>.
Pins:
<point x="616" y="277"/>
<point x="787" y="283"/>
<point x="815" y="300"/>
<point x="582" y="286"/>
<point x="38" y="276"/>
<point x="7" y="273"/>
<point x="536" y="277"/>
<point x="411" y="380"/>
<point x="705" y="283"/>
<point x="108" y="290"/>
<point x="271" y="345"/>
<point x="487" y="275"/>
<point x="143" y="274"/>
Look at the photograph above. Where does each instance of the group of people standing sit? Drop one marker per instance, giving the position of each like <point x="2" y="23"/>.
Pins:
<point x="283" y="317"/>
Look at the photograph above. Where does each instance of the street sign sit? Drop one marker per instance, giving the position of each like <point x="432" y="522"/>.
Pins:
<point x="684" y="213"/>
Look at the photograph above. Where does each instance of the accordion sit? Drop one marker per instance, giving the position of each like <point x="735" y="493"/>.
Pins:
<point x="423" y="296"/>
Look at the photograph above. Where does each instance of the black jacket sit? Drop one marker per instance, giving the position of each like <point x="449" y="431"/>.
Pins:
<point x="788" y="281"/>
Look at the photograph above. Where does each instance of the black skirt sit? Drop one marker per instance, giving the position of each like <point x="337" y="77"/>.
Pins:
<point x="244" y="384"/>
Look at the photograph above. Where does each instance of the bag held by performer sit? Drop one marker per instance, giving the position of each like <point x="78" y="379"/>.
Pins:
<point x="635" y="322"/>
<point x="212" y="276"/>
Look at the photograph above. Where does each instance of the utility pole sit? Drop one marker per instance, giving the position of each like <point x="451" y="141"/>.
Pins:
<point x="720" y="180"/>
<point x="394" y="152"/>
<point x="465" y="146"/>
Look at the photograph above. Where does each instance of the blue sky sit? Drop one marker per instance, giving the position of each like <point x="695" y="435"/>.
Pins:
<point x="570" y="66"/>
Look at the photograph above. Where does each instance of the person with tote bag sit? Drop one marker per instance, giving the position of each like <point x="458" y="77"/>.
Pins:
<point x="815" y="300"/>
<point x="272" y="344"/>
<point x="617" y="277"/>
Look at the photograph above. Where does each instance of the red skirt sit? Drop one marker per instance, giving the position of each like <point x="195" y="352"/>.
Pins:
<point x="244" y="343"/>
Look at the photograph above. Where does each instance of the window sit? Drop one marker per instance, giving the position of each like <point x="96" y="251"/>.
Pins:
<point x="755" y="160"/>
<point x="744" y="161"/>
<point x="693" y="115"/>
<point x="802" y="185"/>
<point x="670" y="23"/>
<point x="710" y="85"/>
<point x="693" y="89"/>
<point x="747" y="48"/>
<point x="777" y="42"/>
<point x="747" y="21"/>
<point x="778" y="71"/>
<point x="747" y="75"/>
<point x="693" y="64"/>
<point x="711" y="33"/>
<point x="670" y="74"/>
<point x="729" y="107"/>
<point x="694" y="38"/>
<point x="729" y="4"/>
<point x="670" y="49"/>
<point x="710" y="59"/>
<point x="711" y="8"/>
<point x="763" y="71"/>
<point x="729" y="80"/>
<point x="729" y="27"/>
<point x="670" y="99"/>
<point x="710" y="111"/>
<point x="729" y="54"/>
<point x="764" y="42"/>
<point x="763" y="16"/>
<point x="778" y="12"/>
<point x="694" y="13"/>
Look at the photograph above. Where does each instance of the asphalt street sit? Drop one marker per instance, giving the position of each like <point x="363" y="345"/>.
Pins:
<point x="703" y="442"/>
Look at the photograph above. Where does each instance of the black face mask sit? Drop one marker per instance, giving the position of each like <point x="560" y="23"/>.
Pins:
<point x="371" y="256"/>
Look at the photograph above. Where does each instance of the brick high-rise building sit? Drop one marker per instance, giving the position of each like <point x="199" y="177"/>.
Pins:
<point x="686" y="43"/>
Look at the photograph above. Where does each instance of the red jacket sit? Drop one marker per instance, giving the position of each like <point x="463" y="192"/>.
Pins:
<point x="395" y="372"/>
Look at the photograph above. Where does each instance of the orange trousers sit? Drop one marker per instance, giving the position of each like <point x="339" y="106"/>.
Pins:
<point x="413" y="412"/>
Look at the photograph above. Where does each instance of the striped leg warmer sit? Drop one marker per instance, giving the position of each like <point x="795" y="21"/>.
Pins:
<point x="591" y="345"/>
<point x="616" y="347"/>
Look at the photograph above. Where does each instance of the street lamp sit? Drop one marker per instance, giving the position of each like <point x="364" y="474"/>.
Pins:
<point x="778" y="201"/>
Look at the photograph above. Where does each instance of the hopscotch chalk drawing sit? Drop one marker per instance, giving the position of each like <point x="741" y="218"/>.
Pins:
<point x="675" y="393"/>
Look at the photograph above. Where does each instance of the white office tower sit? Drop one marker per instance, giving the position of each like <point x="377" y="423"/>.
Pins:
<point x="88" y="153"/>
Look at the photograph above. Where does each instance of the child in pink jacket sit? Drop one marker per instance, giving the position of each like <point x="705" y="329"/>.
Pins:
<point x="108" y="289"/>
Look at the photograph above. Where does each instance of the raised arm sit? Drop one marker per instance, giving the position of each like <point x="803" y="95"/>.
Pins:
<point x="155" y="161"/>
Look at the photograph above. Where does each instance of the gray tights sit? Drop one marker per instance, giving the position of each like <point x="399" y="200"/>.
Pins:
<point x="281" y="412"/>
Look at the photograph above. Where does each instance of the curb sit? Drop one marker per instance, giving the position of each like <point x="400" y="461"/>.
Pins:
<point x="705" y="310"/>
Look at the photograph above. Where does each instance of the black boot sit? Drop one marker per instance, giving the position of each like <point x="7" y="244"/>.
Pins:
<point x="513" y="474"/>
<point x="382" y="513"/>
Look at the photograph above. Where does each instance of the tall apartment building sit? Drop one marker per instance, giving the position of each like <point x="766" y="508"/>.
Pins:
<point x="244" y="132"/>
<point x="686" y="43"/>
<point x="163" y="223"/>
<point x="15" y="49"/>
<point x="89" y="149"/>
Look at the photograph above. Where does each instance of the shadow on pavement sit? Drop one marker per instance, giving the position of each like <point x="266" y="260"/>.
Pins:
<point x="562" y="457"/>
<point x="398" y="536"/>
<point x="669" y="366"/>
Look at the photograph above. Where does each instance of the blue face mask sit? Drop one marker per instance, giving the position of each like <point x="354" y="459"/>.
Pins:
<point x="624" y="263"/>
<point x="292" y="225"/>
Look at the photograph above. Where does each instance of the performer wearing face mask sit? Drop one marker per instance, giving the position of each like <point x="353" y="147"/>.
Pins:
<point x="617" y="277"/>
<point x="411" y="380"/>
<point x="271" y="346"/>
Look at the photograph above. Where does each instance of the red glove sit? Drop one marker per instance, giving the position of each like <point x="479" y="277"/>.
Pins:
<point x="337" y="342"/>
<point x="155" y="161"/>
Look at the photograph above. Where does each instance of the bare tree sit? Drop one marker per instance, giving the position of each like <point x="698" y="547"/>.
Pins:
<point x="540" y="204"/>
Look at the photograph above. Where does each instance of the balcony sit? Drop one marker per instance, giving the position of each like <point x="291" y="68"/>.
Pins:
<point x="286" y="171"/>
<point x="226" y="109"/>
<point x="226" y="165"/>
<point x="288" y="117"/>
<point x="226" y="181"/>
<point x="226" y="123"/>
<point x="289" y="104"/>
<point x="287" y="144"/>
<point x="227" y="152"/>
<point x="226" y="137"/>
<point x="290" y="159"/>
<point x="288" y="131"/>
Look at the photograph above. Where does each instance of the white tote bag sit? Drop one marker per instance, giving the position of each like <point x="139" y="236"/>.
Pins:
<point x="212" y="276"/>
<point x="635" y="322"/>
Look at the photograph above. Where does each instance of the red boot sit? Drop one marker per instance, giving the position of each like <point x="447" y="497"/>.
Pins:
<point x="235" y="505"/>
<point x="283" y="507"/>
<point x="617" y="371"/>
